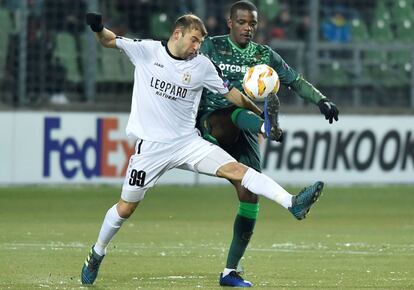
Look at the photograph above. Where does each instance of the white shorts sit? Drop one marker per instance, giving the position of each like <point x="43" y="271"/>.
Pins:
<point x="152" y="159"/>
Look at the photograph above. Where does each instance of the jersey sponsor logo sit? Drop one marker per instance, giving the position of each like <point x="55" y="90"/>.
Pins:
<point x="232" y="68"/>
<point x="168" y="90"/>
<point x="90" y="157"/>
<point x="186" y="78"/>
<point x="158" y="64"/>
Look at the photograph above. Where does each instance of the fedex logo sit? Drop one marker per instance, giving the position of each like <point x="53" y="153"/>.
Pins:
<point x="72" y="154"/>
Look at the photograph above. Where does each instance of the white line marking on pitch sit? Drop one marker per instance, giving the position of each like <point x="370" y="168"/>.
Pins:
<point x="285" y="248"/>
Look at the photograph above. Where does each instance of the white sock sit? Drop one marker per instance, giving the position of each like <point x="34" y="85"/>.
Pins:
<point x="262" y="129"/>
<point x="227" y="271"/>
<point x="110" y="226"/>
<point x="260" y="184"/>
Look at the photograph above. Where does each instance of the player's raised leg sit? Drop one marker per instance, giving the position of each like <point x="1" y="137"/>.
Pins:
<point x="224" y="126"/>
<point x="261" y="184"/>
<point x="246" y="120"/>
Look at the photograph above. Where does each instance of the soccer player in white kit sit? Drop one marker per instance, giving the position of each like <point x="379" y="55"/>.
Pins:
<point x="168" y="82"/>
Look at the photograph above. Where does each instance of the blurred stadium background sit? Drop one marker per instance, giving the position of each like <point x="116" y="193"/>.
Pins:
<point x="358" y="52"/>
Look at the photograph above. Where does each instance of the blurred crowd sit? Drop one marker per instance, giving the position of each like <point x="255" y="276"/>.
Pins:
<point x="46" y="73"/>
<point x="279" y="20"/>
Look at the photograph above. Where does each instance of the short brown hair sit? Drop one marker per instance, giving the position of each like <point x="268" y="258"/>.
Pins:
<point x="189" y="22"/>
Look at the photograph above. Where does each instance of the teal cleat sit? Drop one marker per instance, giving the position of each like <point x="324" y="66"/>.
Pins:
<point x="233" y="279"/>
<point x="302" y="202"/>
<point x="91" y="267"/>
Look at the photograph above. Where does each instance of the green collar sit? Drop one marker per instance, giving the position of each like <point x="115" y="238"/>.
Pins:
<point x="236" y="47"/>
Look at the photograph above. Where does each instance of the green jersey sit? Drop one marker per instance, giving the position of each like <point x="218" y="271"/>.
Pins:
<point x="234" y="62"/>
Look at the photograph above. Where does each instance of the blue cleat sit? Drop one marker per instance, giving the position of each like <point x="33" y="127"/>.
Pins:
<point x="91" y="267"/>
<point x="271" y="115"/>
<point x="233" y="279"/>
<point x="302" y="202"/>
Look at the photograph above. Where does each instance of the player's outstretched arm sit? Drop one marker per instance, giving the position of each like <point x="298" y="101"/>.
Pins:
<point x="105" y="36"/>
<point x="242" y="101"/>
<point x="328" y="109"/>
<point x="308" y="92"/>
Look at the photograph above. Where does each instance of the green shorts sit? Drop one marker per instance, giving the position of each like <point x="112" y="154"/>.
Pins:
<point x="245" y="147"/>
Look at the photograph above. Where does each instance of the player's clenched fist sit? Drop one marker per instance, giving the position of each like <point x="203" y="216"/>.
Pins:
<point x="94" y="20"/>
<point x="328" y="109"/>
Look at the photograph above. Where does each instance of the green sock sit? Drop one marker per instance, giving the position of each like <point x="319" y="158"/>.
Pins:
<point x="242" y="231"/>
<point x="246" y="120"/>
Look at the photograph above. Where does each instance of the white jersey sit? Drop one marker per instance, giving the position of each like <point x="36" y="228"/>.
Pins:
<point x="167" y="90"/>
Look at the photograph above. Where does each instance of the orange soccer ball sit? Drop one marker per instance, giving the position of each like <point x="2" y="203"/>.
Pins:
<point x="259" y="81"/>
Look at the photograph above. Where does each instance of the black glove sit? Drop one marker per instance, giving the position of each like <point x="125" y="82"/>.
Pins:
<point x="94" y="20"/>
<point x="329" y="110"/>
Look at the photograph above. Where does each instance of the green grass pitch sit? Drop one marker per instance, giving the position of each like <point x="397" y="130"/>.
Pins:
<point x="354" y="238"/>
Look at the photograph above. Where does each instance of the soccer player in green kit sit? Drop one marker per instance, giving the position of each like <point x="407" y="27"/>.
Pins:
<point x="235" y="129"/>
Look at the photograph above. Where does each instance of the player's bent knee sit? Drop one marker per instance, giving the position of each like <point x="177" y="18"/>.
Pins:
<point x="233" y="171"/>
<point x="129" y="201"/>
